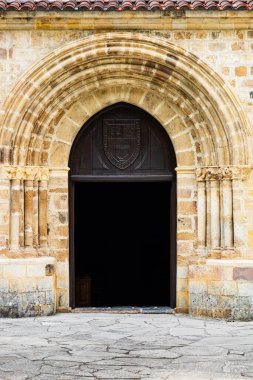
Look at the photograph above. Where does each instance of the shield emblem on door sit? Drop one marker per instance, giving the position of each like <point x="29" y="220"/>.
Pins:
<point x="121" y="140"/>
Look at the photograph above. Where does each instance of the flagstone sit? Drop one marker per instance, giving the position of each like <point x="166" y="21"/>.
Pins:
<point x="114" y="346"/>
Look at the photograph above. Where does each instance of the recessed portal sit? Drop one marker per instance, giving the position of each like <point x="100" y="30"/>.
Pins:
<point x="122" y="244"/>
<point x="122" y="211"/>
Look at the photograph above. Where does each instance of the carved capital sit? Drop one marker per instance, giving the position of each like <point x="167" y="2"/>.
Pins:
<point x="201" y="174"/>
<point x="207" y="174"/>
<point x="225" y="173"/>
<point x="222" y="173"/>
<point x="212" y="174"/>
<point x="39" y="173"/>
<point x="234" y="173"/>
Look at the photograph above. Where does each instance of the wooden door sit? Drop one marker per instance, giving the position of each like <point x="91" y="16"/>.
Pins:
<point x="123" y="143"/>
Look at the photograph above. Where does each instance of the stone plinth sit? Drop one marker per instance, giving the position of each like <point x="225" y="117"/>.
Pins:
<point x="222" y="289"/>
<point x="27" y="287"/>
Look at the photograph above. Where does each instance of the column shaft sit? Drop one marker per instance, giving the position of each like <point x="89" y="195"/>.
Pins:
<point x="228" y="214"/>
<point x="215" y="214"/>
<point x="21" y="215"/>
<point x="208" y="214"/>
<point x="35" y="214"/>
<point x="28" y="188"/>
<point x="43" y="213"/>
<point x="201" y="214"/>
<point x="15" y="214"/>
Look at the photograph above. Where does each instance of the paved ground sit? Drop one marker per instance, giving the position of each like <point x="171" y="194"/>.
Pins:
<point x="116" y="346"/>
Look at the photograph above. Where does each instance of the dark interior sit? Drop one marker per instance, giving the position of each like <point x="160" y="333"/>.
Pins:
<point x="121" y="238"/>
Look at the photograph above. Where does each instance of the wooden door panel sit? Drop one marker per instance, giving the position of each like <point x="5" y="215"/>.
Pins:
<point x="121" y="141"/>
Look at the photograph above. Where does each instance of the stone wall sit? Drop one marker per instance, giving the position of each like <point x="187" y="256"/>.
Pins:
<point x="222" y="288"/>
<point x="195" y="78"/>
<point x="224" y="41"/>
<point x="27" y="287"/>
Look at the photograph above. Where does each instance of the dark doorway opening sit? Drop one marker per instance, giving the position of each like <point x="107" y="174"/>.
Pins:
<point x="122" y="183"/>
<point x="122" y="244"/>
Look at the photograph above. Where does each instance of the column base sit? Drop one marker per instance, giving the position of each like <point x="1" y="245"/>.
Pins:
<point x="214" y="253"/>
<point x="230" y="253"/>
<point x="201" y="251"/>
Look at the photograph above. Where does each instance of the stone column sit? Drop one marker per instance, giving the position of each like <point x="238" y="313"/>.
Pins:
<point x="208" y="214"/>
<point x="35" y="214"/>
<point x="43" y="213"/>
<point x="28" y="205"/>
<point x="215" y="214"/>
<point x="28" y="192"/>
<point x="21" y="215"/>
<point x="223" y="189"/>
<point x="15" y="214"/>
<point x="228" y="214"/>
<point x="5" y="192"/>
<point x="201" y="214"/>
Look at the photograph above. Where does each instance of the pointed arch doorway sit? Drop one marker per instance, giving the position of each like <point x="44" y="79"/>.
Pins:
<point x="122" y="195"/>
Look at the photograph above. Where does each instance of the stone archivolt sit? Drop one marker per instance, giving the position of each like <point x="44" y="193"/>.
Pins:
<point x="202" y="117"/>
<point x="86" y="69"/>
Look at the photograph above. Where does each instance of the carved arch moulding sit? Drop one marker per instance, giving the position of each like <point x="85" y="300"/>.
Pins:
<point x="84" y="69"/>
<point x="51" y="102"/>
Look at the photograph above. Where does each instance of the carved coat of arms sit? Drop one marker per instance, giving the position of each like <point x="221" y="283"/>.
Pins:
<point x="121" y="139"/>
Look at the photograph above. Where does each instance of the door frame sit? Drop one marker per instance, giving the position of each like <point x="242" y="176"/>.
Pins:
<point x="73" y="179"/>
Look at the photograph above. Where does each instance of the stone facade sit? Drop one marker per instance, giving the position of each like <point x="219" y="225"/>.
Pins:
<point x="195" y="77"/>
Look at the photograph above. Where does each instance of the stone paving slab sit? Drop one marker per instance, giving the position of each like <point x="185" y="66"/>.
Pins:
<point x="125" y="346"/>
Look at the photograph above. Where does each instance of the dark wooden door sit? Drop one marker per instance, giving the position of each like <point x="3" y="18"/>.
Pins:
<point x="122" y="143"/>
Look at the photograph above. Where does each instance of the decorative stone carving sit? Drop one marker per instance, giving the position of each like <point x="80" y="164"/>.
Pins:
<point x="201" y="174"/>
<point x="212" y="175"/>
<point x="225" y="173"/>
<point x="29" y="173"/>
<point x="216" y="173"/>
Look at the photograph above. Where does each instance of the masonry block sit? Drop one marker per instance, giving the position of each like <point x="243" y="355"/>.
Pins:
<point x="228" y="295"/>
<point x="26" y="289"/>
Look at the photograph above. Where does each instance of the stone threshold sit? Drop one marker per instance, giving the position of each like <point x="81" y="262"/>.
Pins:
<point x="125" y="310"/>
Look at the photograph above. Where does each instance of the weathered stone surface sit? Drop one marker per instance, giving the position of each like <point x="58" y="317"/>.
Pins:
<point x="229" y="296"/>
<point x="106" y="346"/>
<point x="31" y="292"/>
<point x="243" y="274"/>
